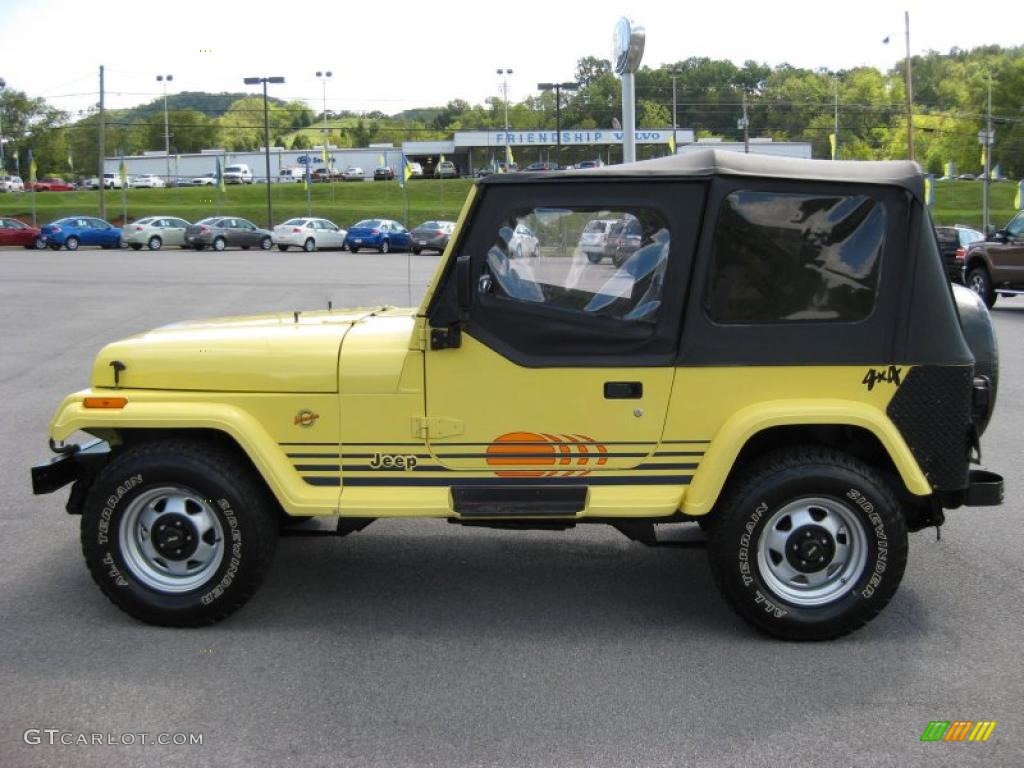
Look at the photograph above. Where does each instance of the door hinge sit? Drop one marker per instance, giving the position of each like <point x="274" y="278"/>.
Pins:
<point x="436" y="427"/>
<point x="446" y="338"/>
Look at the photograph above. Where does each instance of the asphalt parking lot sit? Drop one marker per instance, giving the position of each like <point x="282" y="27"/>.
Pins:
<point x="416" y="643"/>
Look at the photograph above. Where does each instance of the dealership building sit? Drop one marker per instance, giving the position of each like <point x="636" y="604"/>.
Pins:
<point x="469" y="150"/>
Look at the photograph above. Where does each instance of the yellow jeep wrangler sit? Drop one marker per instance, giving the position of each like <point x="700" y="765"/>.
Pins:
<point x="773" y="353"/>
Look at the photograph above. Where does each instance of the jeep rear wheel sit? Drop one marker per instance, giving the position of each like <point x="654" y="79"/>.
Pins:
<point x="177" y="534"/>
<point x="811" y="546"/>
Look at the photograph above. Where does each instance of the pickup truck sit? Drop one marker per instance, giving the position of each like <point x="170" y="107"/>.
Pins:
<point x="996" y="267"/>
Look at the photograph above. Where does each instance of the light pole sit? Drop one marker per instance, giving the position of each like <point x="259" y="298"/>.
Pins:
<point x="165" y="79"/>
<point x="558" y="88"/>
<point x="324" y="75"/>
<point x="3" y="84"/>
<point x="266" y="135"/>
<point x="503" y="74"/>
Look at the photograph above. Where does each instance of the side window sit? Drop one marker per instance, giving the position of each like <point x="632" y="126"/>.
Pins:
<point x="583" y="261"/>
<point x="780" y="257"/>
<point x="1016" y="227"/>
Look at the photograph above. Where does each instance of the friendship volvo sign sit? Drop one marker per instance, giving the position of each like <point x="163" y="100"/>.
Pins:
<point x="572" y="137"/>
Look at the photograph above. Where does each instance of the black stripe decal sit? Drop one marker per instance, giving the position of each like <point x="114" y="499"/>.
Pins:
<point x="371" y="455"/>
<point x="317" y="467"/>
<point x="668" y="466"/>
<point x="679" y="453"/>
<point x="378" y="444"/>
<point x="552" y="454"/>
<point x="535" y="443"/>
<point x="332" y="445"/>
<point x="417" y="468"/>
<point x="313" y="455"/>
<point x="335" y="481"/>
<point x="686" y="442"/>
<point x="497" y="481"/>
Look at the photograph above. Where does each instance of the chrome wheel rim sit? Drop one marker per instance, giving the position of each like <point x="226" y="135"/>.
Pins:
<point x="978" y="284"/>
<point x="812" y="551"/>
<point x="171" y="539"/>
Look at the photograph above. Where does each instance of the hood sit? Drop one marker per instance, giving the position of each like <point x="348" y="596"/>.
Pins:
<point x="261" y="353"/>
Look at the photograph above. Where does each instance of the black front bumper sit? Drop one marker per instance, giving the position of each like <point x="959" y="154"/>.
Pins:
<point x="67" y="467"/>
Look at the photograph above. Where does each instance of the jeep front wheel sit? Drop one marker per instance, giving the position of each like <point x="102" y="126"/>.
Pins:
<point x="177" y="534"/>
<point x="811" y="546"/>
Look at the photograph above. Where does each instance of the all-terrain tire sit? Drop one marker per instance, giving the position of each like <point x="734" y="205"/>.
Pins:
<point x="178" y="532"/>
<point x="810" y="543"/>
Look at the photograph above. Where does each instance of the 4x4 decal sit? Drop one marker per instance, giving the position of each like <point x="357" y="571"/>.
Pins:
<point x="890" y="375"/>
<point x="546" y="451"/>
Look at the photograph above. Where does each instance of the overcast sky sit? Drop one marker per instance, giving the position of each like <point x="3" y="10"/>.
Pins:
<point x="425" y="53"/>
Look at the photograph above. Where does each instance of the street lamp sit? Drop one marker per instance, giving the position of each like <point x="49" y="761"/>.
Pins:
<point x="558" y="88"/>
<point x="324" y="75"/>
<point x="165" y="79"/>
<point x="503" y="74"/>
<point x="266" y="135"/>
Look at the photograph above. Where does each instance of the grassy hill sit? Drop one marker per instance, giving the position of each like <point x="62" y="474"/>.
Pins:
<point x="956" y="202"/>
<point x="342" y="203"/>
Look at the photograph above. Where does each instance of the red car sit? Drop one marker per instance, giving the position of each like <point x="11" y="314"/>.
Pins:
<point x="52" y="184"/>
<point x="14" y="232"/>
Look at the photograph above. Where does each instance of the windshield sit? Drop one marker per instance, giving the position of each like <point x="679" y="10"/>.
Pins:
<point x="294" y="223"/>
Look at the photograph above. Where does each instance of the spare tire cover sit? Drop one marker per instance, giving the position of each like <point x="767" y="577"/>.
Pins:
<point x="979" y="333"/>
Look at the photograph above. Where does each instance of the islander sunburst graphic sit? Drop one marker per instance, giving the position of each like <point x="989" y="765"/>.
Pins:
<point x="549" y="455"/>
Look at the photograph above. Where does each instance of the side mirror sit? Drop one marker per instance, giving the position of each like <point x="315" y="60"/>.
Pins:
<point x="463" y="282"/>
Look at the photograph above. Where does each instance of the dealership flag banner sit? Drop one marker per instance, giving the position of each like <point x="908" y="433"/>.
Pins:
<point x="31" y="168"/>
<point x="671" y="145"/>
<point x="1019" y="197"/>
<point x="220" y="177"/>
<point x="950" y="169"/>
<point x="929" y="190"/>
<point x="832" y="144"/>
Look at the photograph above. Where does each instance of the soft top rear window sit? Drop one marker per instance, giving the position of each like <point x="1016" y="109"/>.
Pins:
<point x="781" y="257"/>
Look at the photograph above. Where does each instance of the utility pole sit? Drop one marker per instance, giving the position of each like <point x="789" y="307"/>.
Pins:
<point x="102" y="148"/>
<point x="987" y="140"/>
<point x="835" y="127"/>
<point x="910" y="94"/>
<point x="675" y="123"/>
<point x="3" y="84"/>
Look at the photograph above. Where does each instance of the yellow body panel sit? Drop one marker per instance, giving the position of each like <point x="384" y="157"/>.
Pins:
<point x="728" y="406"/>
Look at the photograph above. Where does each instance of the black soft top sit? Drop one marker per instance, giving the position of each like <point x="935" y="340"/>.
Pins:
<point x="706" y="163"/>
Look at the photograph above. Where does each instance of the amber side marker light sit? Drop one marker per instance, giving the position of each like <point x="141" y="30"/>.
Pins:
<point x="105" y="402"/>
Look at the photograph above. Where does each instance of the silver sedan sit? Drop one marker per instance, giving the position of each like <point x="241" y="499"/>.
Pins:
<point x="155" y="232"/>
<point x="309" y="234"/>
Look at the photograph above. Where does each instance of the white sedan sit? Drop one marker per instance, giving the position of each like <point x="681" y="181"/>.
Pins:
<point x="155" y="232"/>
<point x="309" y="234"/>
<point x="148" y="181"/>
<point x="352" y="173"/>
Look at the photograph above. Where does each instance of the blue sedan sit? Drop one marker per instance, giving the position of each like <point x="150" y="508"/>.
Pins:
<point x="80" y="230"/>
<point x="383" y="234"/>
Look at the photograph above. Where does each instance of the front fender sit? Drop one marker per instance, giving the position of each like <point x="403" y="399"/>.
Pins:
<point x="148" y="410"/>
<point x="721" y="455"/>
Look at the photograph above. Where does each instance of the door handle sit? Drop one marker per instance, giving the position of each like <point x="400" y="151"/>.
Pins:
<point x="623" y="390"/>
